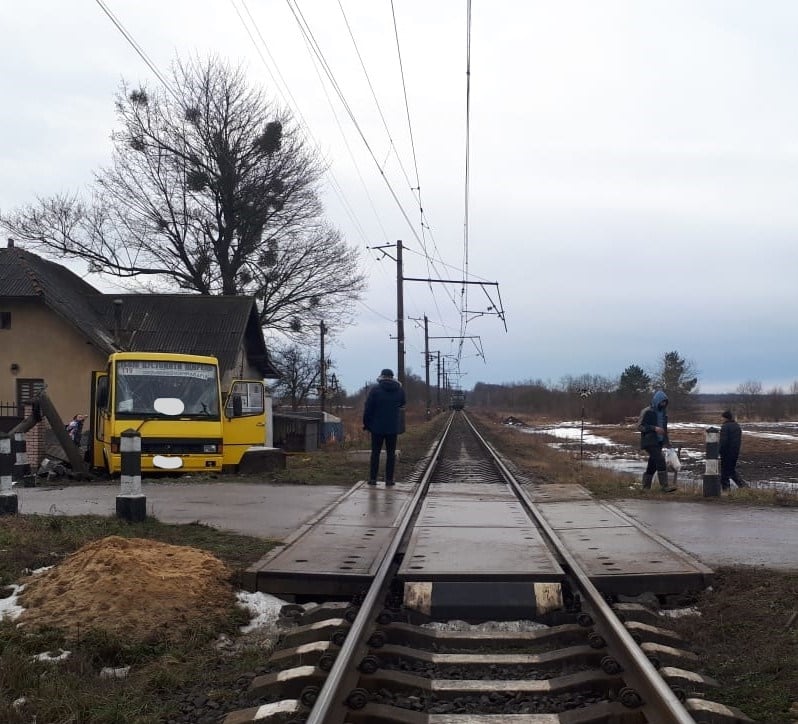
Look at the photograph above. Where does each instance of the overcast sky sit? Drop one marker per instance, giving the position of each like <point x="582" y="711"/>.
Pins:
<point x="633" y="167"/>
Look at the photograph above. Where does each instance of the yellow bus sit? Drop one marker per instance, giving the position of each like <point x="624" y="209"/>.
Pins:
<point x="175" y="402"/>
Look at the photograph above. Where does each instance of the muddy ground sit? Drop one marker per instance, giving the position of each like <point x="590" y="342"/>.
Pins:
<point x="762" y="459"/>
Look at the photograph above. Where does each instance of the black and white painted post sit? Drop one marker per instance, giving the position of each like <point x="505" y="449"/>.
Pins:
<point x="19" y="446"/>
<point x="131" y="504"/>
<point x="8" y="498"/>
<point x="711" y="473"/>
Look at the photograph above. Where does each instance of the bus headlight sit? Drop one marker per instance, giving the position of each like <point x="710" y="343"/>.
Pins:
<point x="210" y="448"/>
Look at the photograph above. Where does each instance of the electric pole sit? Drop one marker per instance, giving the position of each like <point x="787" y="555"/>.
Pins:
<point x="400" y="316"/>
<point x="322" y="370"/>
<point x="426" y="365"/>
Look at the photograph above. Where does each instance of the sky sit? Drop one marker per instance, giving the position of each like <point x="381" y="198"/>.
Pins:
<point x="633" y="165"/>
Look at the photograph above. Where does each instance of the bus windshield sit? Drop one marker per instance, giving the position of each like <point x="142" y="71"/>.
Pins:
<point x="139" y="383"/>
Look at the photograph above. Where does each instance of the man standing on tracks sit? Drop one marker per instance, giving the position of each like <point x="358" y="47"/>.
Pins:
<point x="382" y="417"/>
<point x="653" y="426"/>
<point x="731" y="436"/>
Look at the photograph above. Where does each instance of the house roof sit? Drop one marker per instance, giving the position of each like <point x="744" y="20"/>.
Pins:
<point x="187" y="323"/>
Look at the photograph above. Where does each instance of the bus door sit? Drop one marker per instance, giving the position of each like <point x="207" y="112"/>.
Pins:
<point x="244" y="419"/>
<point x="99" y="417"/>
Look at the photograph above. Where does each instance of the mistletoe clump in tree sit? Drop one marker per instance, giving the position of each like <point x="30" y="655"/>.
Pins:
<point x="214" y="190"/>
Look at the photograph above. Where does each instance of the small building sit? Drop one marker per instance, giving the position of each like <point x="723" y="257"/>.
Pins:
<point x="55" y="329"/>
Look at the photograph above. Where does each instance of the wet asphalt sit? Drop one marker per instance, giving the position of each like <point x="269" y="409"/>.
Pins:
<point x="715" y="533"/>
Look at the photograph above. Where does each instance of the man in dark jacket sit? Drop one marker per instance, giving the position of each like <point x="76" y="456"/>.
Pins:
<point x="731" y="436"/>
<point x="653" y="426"/>
<point x="382" y="417"/>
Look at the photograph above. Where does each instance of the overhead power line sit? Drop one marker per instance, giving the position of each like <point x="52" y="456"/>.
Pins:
<point x="464" y="291"/>
<point x="273" y="69"/>
<point x="139" y="50"/>
<point x="308" y="33"/>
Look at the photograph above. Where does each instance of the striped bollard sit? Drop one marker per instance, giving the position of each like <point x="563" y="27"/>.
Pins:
<point x="711" y="473"/>
<point x="19" y="446"/>
<point x="131" y="505"/>
<point x="8" y="498"/>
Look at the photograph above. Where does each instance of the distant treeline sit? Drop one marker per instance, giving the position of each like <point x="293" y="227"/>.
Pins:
<point x="613" y="406"/>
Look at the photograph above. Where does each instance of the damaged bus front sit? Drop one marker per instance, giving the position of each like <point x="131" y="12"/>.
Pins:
<point x="175" y="402"/>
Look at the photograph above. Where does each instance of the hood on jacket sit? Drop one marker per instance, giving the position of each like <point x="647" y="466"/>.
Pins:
<point x="658" y="398"/>
<point x="389" y="383"/>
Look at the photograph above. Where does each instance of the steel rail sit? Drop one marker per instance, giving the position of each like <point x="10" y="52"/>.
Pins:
<point x="654" y="689"/>
<point x="329" y="695"/>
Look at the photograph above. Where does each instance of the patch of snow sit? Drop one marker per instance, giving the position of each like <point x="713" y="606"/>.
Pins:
<point x="680" y="612"/>
<point x="9" y="608"/>
<point x="514" y="626"/>
<point x="263" y="607"/>
<point x="566" y="432"/>
<point x="52" y="656"/>
<point x="109" y="672"/>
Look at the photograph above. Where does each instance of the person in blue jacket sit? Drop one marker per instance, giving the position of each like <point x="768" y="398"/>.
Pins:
<point x="653" y="426"/>
<point x="382" y="417"/>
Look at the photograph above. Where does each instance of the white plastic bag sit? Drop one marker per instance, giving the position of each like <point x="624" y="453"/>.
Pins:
<point x="672" y="459"/>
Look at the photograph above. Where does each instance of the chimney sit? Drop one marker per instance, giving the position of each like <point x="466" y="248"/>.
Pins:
<point x="118" y="323"/>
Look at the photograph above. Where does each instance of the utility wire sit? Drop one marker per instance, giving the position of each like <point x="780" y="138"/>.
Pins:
<point x="464" y="291"/>
<point x="308" y="33"/>
<point x="422" y="218"/>
<point x="139" y="50"/>
<point x="288" y="97"/>
<point x="376" y="100"/>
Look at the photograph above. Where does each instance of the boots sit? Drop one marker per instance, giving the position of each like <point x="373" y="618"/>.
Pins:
<point x="647" y="478"/>
<point x="664" y="485"/>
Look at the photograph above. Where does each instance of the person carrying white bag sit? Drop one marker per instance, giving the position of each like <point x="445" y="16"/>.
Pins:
<point x="672" y="462"/>
<point x="653" y="427"/>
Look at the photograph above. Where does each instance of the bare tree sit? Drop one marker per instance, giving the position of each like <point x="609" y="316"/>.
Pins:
<point x="299" y="373"/>
<point x="749" y="387"/>
<point x="749" y="392"/>
<point x="212" y="189"/>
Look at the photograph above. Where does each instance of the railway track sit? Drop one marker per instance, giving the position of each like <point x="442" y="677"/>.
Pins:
<point x="392" y="654"/>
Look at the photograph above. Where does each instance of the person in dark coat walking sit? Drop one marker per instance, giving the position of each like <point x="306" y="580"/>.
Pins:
<point x="653" y="426"/>
<point x="382" y="417"/>
<point x="731" y="436"/>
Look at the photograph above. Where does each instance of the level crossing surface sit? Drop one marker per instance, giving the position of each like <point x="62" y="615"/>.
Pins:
<point x="474" y="532"/>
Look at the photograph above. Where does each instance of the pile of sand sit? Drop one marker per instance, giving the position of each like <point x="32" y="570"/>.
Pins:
<point x="133" y="587"/>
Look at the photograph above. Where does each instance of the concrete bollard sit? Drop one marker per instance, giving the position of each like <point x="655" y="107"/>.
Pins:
<point x="19" y="446"/>
<point x="711" y="473"/>
<point x="131" y="505"/>
<point x="8" y="498"/>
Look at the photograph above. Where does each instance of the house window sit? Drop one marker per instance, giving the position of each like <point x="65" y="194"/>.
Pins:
<point x="28" y="389"/>
<point x="5" y="320"/>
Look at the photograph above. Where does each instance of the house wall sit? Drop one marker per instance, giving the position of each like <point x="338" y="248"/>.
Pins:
<point x="47" y="347"/>
<point x="242" y="370"/>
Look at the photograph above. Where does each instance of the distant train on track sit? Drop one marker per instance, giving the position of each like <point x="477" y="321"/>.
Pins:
<point x="457" y="400"/>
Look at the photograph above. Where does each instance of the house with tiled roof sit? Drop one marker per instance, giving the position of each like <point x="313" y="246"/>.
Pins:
<point x="55" y="328"/>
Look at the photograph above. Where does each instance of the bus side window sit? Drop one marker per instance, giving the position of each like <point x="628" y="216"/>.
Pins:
<point x="245" y="399"/>
<point x="102" y="393"/>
